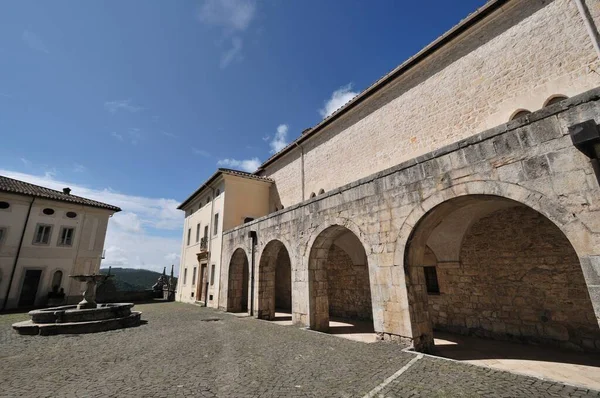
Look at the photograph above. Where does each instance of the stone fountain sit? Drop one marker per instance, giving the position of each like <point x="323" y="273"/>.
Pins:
<point x="85" y="317"/>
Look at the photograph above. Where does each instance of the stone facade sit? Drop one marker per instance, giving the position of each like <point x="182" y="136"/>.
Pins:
<point x="438" y="200"/>
<point x="520" y="56"/>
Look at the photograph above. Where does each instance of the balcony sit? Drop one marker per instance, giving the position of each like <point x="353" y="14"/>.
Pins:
<point x="203" y="254"/>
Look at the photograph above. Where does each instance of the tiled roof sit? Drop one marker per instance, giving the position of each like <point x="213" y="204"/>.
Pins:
<point x="24" y="188"/>
<point x="471" y="20"/>
<point x="220" y="171"/>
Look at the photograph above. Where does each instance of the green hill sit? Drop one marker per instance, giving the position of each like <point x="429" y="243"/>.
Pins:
<point x="130" y="279"/>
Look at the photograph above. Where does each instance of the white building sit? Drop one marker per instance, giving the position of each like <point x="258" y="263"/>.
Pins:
<point x="45" y="236"/>
<point x="227" y="199"/>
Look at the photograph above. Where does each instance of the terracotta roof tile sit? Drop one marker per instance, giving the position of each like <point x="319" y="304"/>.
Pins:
<point x="24" y="188"/>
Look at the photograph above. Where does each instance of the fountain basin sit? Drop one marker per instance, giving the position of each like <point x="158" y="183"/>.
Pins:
<point x="70" y="320"/>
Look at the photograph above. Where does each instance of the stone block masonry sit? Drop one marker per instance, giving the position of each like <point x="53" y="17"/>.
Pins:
<point x="438" y="199"/>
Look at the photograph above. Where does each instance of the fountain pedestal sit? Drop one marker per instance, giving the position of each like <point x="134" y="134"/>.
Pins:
<point x="85" y="317"/>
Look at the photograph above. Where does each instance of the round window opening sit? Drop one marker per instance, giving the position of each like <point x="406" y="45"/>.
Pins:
<point x="4" y="205"/>
<point x="48" y="211"/>
<point x="71" y="214"/>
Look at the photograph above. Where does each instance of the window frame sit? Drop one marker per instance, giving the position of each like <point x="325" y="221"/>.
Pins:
<point x="3" y="234"/>
<point x="197" y="232"/>
<point x="35" y="234"/>
<point x="59" y="242"/>
<point x="194" y="273"/>
<point x="216" y="225"/>
<point x="184" y="276"/>
<point x="189" y="236"/>
<point x="212" y="274"/>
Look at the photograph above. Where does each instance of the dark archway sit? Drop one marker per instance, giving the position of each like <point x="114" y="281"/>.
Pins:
<point x="274" y="281"/>
<point x="492" y="267"/>
<point x="338" y="279"/>
<point x="237" y="284"/>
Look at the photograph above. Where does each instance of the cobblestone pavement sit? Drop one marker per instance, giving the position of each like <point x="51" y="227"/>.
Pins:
<point x="183" y="351"/>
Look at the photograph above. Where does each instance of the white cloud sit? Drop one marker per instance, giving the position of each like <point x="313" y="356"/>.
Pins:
<point x="121" y="105"/>
<point x="34" y="42"/>
<point x="170" y="135"/>
<point x="339" y="98"/>
<point x="26" y="162"/>
<point x="79" y="168"/>
<point x="230" y="15"/>
<point x="141" y="236"/>
<point x="233" y="54"/>
<point x="117" y="135"/>
<point x="279" y="140"/>
<point x="201" y="152"/>
<point x="249" y="165"/>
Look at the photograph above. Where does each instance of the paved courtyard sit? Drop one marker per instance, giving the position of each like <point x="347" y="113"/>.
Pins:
<point x="185" y="350"/>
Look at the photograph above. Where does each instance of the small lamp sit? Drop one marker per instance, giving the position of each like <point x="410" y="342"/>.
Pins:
<point x="586" y="137"/>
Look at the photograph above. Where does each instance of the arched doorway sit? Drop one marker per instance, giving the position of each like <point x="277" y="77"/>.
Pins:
<point x="237" y="285"/>
<point x="338" y="280"/>
<point x="492" y="267"/>
<point x="275" y="282"/>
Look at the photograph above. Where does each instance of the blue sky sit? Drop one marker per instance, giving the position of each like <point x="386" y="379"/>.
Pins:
<point x="137" y="102"/>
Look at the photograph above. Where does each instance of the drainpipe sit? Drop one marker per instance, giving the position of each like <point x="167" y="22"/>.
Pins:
<point x="302" y="168"/>
<point x="14" y="269"/>
<point x="252" y="235"/>
<point x="589" y="25"/>
<point x="80" y="237"/>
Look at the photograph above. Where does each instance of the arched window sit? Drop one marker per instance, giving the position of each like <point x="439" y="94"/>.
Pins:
<point x="321" y="191"/>
<point x="519" y="114"/>
<point x="4" y="205"/>
<point x="218" y="192"/>
<point x="312" y="195"/>
<point x="555" y="99"/>
<point x="208" y="200"/>
<point x="57" y="280"/>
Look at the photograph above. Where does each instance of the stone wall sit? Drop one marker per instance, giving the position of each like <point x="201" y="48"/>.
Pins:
<point x="348" y="287"/>
<point x="518" y="278"/>
<point x="517" y="58"/>
<point x="530" y="161"/>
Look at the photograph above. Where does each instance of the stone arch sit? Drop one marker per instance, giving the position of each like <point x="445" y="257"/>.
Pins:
<point x="237" y="282"/>
<point x="553" y="99"/>
<point x="274" y="280"/>
<point x="441" y="224"/>
<point x="342" y="222"/>
<point x="338" y="275"/>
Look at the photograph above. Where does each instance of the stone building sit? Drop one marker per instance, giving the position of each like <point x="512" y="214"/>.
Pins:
<point x="460" y="192"/>
<point x="45" y="236"/>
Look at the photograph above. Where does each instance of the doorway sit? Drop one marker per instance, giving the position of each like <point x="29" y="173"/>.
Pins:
<point x="30" y="287"/>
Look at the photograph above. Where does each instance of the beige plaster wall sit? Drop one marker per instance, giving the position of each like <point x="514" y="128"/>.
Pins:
<point x="83" y="256"/>
<point x="518" y="58"/>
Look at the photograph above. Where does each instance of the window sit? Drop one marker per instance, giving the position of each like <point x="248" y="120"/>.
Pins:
<point x="208" y="200"/>
<point x="206" y="231"/>
<point x="71" y="214"/>
<point x="184" y="276"/>
<point x="216" y="225"/>
<point x="431" y="280"/>
<point x="197" y="232"/>
<point x="519" y="114"/>
<point x="2" y="234"/>
<point x="66" y="236"/>
<point x="321" y="191"/>
<point x="48" y="211"/>
<point x="217" y="193"/>
<point x="312" y="195"/>
<point x="194" y="277"/>
<point x="248" y="219"/>
<point x="42" y="234"/>
<point x="4" y="205"/>
<point x="56" y="280"/>
<point x="555" y="99"/>
<point x="212" y="274"/>
<point x="189" y="235"/>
